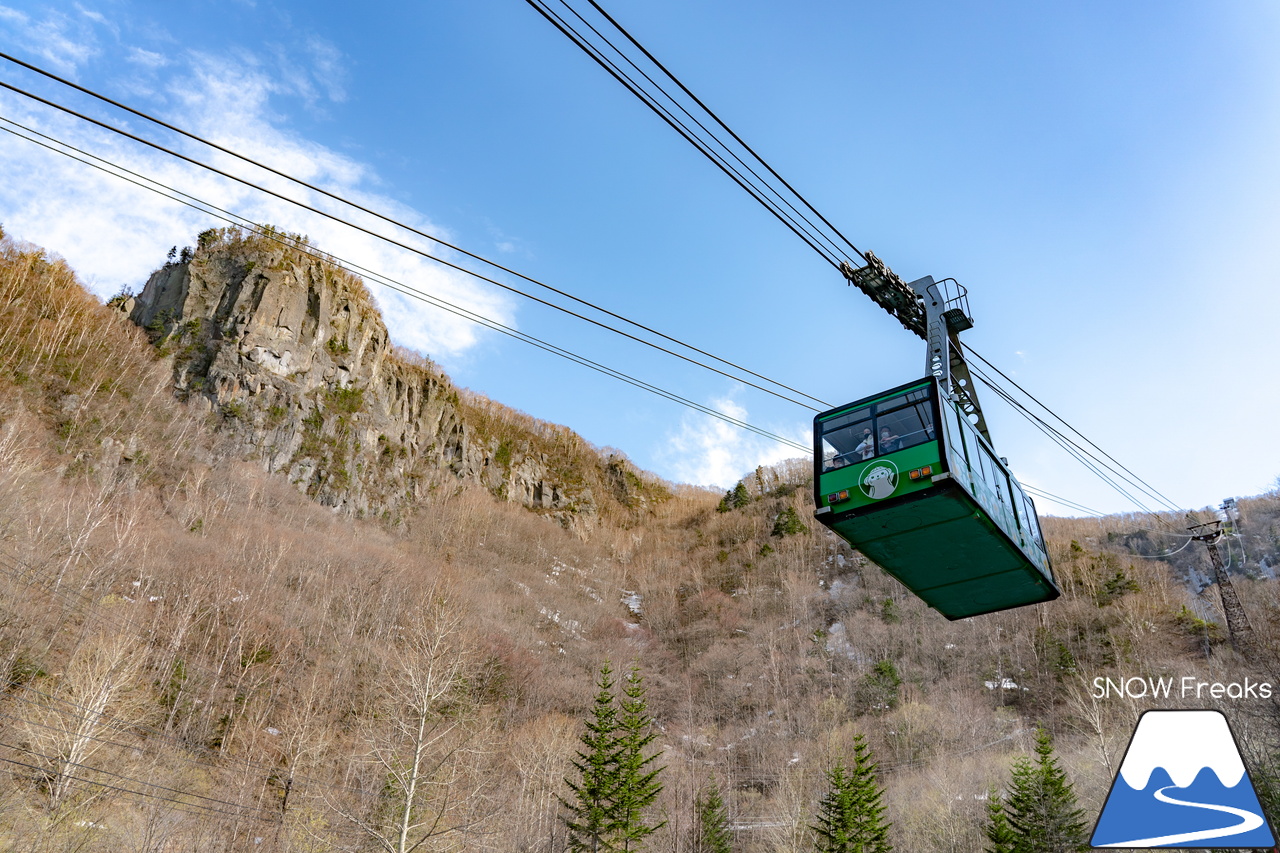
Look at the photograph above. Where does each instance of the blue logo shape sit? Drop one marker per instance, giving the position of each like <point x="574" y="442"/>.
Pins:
<point x="1182" y="784"/>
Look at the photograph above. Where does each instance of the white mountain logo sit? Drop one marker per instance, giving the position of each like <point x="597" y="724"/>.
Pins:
<point x="1182" y="784"/>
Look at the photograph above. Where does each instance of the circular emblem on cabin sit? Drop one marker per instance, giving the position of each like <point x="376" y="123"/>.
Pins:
<point x="879" y="480"/>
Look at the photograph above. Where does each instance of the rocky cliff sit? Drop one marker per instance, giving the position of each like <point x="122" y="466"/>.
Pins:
<point x="290" y="352"/>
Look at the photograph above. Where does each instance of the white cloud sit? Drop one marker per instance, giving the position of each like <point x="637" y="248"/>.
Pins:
<point x="62" y="42"/>
<point x="708" y="451"/>
<point x="146" y="58"/>
<point x="114" y="234"/>
<point x="326" y="61"/>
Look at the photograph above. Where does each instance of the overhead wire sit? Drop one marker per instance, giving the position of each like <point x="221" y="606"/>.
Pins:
<point x="1080" y="453"/>
<point x="194" y="810"/>
<point x="242" y="809"/>
<point x="1181" y="547"/>
<point x="391" y="241"/>
<point x="407" y="290"/>
<point x="1138" y="481"/>
<point x="153" y="735"/>
<point x="1041" y="493"/>
<point x="635" y="88"/>
<point x="730" y="131"/>
<point x="390" y="220"/>
<point x="805" y="230"/>
<point x="71" y="708"/>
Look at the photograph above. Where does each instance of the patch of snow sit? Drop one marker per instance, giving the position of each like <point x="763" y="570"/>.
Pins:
<point x="633" y="601"/>
<point x="570" y="626"/>
<point x="274" y="732"/>
<point x="1004" y="683"/>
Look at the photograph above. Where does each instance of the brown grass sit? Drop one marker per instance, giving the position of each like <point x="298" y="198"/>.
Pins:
<point x="267" y="638"/>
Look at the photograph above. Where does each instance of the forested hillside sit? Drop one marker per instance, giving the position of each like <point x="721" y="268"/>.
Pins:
<point x="201" y="653"/>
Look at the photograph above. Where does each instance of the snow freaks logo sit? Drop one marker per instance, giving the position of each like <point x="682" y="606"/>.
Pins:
<point x="1182" y="784"/>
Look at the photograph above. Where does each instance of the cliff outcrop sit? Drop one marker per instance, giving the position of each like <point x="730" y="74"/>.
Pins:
<point x="291" y="353"/>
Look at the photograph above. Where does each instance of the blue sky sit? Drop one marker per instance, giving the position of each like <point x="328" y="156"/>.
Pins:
<point x="1102" y="177"/>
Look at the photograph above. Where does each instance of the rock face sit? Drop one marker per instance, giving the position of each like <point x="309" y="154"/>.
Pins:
<point x="291" y="353"/>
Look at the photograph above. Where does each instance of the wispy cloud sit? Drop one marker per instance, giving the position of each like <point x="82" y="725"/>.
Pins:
<point x="710" y="452"/>
<point x="62" y="41"/>
<point x="114" y="234"/>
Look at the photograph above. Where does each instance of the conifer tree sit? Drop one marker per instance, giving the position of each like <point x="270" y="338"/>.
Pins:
<point x="1041" y="806"/>
<point x="714" y="835"/>
<point x="617" y="780"/>
<point x="851" y="815"/>
<point x="788" y="523"/>
<point x="999" y="834"/>
<point x="591" y="815"/>
<point x="638" y="785"/>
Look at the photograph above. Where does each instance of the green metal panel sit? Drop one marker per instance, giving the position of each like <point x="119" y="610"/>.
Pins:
<point x="942" y="546"/>
<point x="853" y="477"/>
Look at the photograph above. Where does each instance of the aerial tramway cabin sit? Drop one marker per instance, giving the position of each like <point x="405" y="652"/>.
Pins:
<point x="909" y="481"/>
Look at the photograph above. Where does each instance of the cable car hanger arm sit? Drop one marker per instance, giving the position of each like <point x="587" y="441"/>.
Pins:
<point x="935" y="311"/>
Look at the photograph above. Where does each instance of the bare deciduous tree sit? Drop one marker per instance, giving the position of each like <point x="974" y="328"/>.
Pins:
<point x="63" y="722"/>
<point x="422" y="767"/>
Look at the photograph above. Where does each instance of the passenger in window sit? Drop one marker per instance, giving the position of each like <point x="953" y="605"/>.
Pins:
<point x="888" y="441"/>
<point x="867" y="448"/>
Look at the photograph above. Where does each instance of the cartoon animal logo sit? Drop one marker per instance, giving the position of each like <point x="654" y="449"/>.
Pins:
<point x="880" y="480"/>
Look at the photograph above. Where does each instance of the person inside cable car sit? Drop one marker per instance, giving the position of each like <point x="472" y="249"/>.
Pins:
<point x="888" y="441"/>
<point x="867" y="448"/>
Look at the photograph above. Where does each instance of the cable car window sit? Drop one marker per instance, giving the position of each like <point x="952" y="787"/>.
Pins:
<point x="847" y="439"/>
<point x="905" y="427"/>
<point x="955" y="436"/>
<point x="1033" y="523"/>
<point x="916" y="396"/>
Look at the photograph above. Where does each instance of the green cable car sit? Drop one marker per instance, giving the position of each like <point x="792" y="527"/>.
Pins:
<point x="909" y="478"/>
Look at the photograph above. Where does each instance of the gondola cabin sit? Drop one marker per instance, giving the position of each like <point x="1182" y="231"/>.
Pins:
<point x="905" y="478"/>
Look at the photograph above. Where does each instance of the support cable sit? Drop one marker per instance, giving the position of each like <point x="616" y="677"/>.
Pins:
<point x="729" y="130"/>
<point x="1065" y="443"/>
<point x="754" y="193"/>
<point x="1138" y="481"/>
<point x="404" y="246"/>
<point x="234" y="219"/>
<point x="1041" y="493"/>
<point x="343" y="200"/>
<point x="652" y="102"/>
<point x="242" y="808"/>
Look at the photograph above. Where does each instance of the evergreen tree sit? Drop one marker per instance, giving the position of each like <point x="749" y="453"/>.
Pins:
<point x="851" y="816"/>
<point x="591" y="813"/>
<point x="788" y="523"/>
<point x="1041" y="807"/>
<point x="638" y="785"/>
<point x="997" y="830"/>
<point x="735" y="498"/>
<point x="714" y="835"/>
